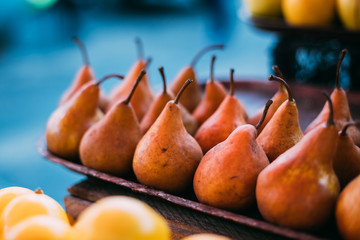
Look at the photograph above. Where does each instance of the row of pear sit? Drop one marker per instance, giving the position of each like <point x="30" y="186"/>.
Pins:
<point x="167" y="156"/>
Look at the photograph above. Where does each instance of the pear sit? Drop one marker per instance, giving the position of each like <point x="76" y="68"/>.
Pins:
<point x="342" y="113"/>
<point x="228" y="116"/>
<point x="83" y="76"/>
<point x="226" y="176"/>
<point x="68" y="123"/>
<point x="167" y="155"/>
<point x="299" y="189"/>
<point x="283" y="130"/>
<point x="192" y="96"/>
<point x="109" y="145"/>
<point x="214" y="95"/>
<point x="143" y="95"/>
<point x="158" y="105"/>
<point x="279" y="97"/>
<point x="348" y="211"/>
<point x="347" y="157"/>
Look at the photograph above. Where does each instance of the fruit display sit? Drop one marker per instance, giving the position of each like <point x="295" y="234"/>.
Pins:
<point x="232" y="162"/>
<point x="308" y="13"/>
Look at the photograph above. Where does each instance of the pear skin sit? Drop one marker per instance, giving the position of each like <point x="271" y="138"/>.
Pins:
<point x="348" y="211"/>
<point x="283" y="130"/>
<point x="167" y="155"/>
<point x="279" y="97"/>
<point x="342" y="113"/>
<point x="347" y="157"/>
<point x="214" y="95"/>
<point x="299" y="189"/>
<point x="143" y="96"/>
<point x="220" y="125"/>
<point x="226" y="176"/>
<point x="109" y="145"/>
<point x="68" y="123"/>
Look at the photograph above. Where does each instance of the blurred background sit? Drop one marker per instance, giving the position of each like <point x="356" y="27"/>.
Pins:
<point x="38" y="61"/>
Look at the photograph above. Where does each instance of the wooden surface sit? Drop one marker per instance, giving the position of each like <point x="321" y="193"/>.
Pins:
<point x="184" y="213"/>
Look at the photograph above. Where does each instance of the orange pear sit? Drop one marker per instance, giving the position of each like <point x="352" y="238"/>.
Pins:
<point x="214" y="95"/>
<point x="347" y="157"/>
<point x="109" y="145"/>
<point x="143" y="95"/>
<point x="83" y="76"/>
<point x="167" y="155"/>
<point x="158" y="105"/>
<point x="279" y="97"/>
<point x="192" y="96"/>
<point x="342" y="113"/>
<point x="68" y="123"/>
<point x="283" y="130"/>
<point x="226" y="176"/>
<point x="228" y="116"/>
<point x="348" y="211"/>
<point x="299" y="189"/>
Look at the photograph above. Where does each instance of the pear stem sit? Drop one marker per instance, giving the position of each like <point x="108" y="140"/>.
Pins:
<point x="83" y="50"/>
<point x="107" y="77"/>
<point x="276" y="69"/>
<point x="182" y="90"/>
<point x="280" y="80"/>
<point x="342" y="56"/>
<point x="148" y="61"/>
<point x="142" y="73"/>
<point x="161" y="70"/>
<point x="343" y="131"/>
<point x="212" y="69"/>
<point x="139" y="47"/>
<point x="232" y="82"/>
<point x="39" y="191"/>
<point x="330" y="121"/>
<point x="205" y="50"/>
<point x="267" y="106"/>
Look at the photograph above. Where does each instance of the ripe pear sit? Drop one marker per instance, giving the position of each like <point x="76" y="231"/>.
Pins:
<point x="349" y="13"/>
<point x="279" y="97"/>
<point x="299" y="189"/>
<point x="143" y="95"/>
<point x="158" y="105"/>
<point x="109" y="145"/>
<point x="68" y="123"/>
<point x="283" y="130"/>
<point x="214" y="95"/>
<point x="83" y="76"/>
<point x="342" y="113"/>
<point x="192" y="96"/>
<point x="348" y="211"/>
<point x="167" y="155"/>
<point x="226" y="176"/>
<point x="228" y="116"/>
<point x="347" y="157"/>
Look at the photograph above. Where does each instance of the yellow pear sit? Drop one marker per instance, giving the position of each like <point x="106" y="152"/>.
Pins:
<point x="349" y="13"/>
<point x="167" y="155"/>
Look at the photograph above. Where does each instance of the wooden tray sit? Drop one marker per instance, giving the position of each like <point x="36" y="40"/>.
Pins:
<point x="253" y="95"/>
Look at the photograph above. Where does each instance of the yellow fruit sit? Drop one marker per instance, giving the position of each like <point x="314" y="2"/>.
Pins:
<point x="42" y="227"/>
<point x="9" y="193"/>
<point x="206" y="236"/>
<point x="121" y="217"/>
<point x="25" y="206"/>
<point x="349" y="13"/>
<point x="268" y="8"/>
<point x="309" y="13"/>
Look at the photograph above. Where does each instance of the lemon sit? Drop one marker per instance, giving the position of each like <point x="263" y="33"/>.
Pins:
<point x="42" y="227"/>
<point x="120" y="217"/>
<point x="206" y="236"/>
<point x="28" y="205"/>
